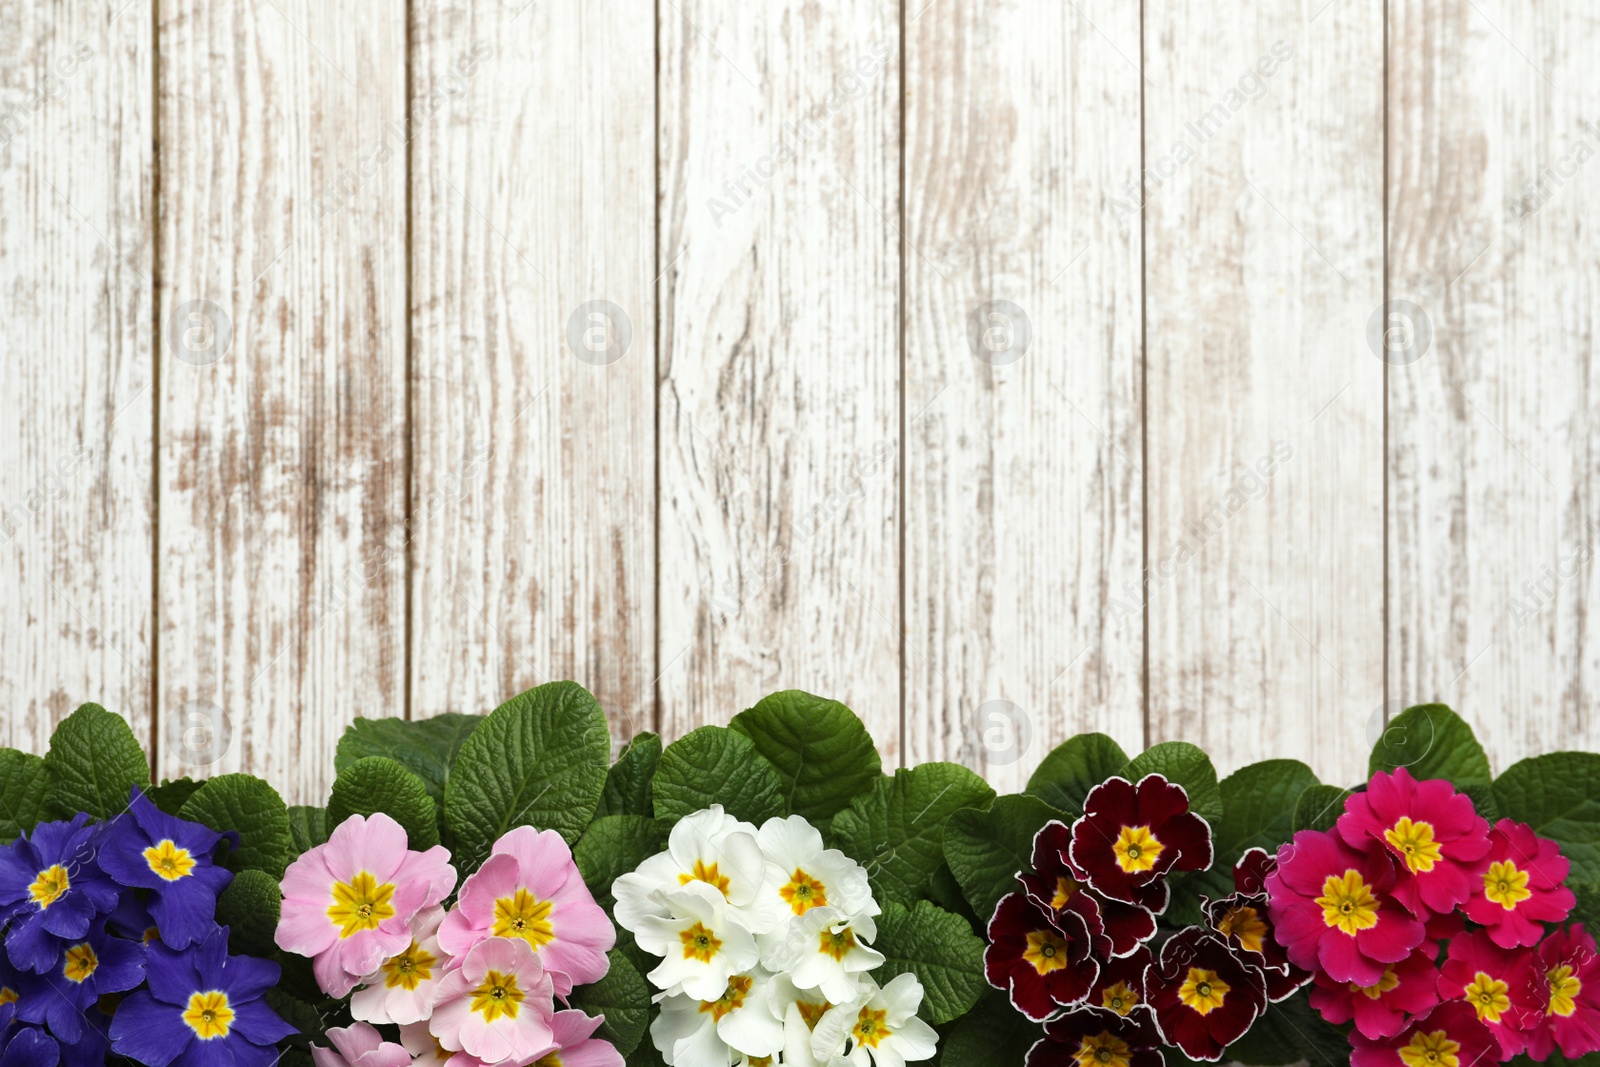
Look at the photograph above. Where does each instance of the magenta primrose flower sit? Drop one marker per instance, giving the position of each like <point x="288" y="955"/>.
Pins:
<point x="1438" y="839"/>
<point x="530" y="889"/>
<point x="349" y="904"/>
<point x="1522" y="888"/>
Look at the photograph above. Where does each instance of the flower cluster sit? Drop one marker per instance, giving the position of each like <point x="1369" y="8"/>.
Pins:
<point x="1072" y="946"/>
<point x="765" y="938"/>
<point x="112" y="945"/>
<point x="1431" y="931"/>
<point x="473" y="986"/>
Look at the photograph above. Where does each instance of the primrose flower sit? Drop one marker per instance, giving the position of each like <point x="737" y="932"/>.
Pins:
<point x="576" y="1045"/>
<point x="1503" y="987"/>
<point x="89" y="969"/>
<point x="1570" y="966"/>
<point x="1204" y="997"/>
<point x="530" y="888"/>
<point x="1045" y="960"/>
<point x="1436" y="836"/>
<point x="1059" y="885"/>
<point x="1091" y="1036"/>
<point x="426" y="1051"/>
<point x="1407" y="990"/>
<point x="1522" y="888"/>
<point x="1333" y="909"/>
<point x="51" y="890"/>
<point x="349" y="904"/>
<point x="498" y="1005"/>
<point x="879" y="1028"/>
<point x="201" y="1006"/>
<point x="1450" y="1033"/>
<point x="359" y="1046"/>
<point x="743" y="1021"/>
<point x="174" y="860"/>
<point x="403" y="988"/>
<point x="1244" y="921"/>
<point x="801" y="875"/>
<point x="1120" y="990"/>
<point x="708" y="846"/>
<point x="702" y="944"/>
<point x="828" y="951"/>
<point x="27" y="1047"/>
<point x="1132" y="836"/>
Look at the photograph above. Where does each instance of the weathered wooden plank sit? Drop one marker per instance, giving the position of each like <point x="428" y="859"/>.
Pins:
<point x="534" y="345"/>
<point x="1024" y="520"/>
<point x="1264" y="240"/>
<point x="76" y="307"/>
<point x="779" y="369"/>
<point x="282" y="423"/>
<point x="1493" y="407"/>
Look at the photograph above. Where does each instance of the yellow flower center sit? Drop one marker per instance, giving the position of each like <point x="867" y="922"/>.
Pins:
<point x="1119" y="998"/>
<point x="81" y="963"/>
<point x="1348" y="904"/>
<point x="837" y="943"/>
<point x="732" y="999"/>
<point x="1103" y="1050"/>
<point x="1488" y="997"/>
<point x="50" y="885"/>
<point x="1065" y="887"/>
<point x="409" y="969"/>
<point x="1372" y="992"/>
<point x="1137" y="849"/>
<point x="804" y="893"/>
<point x="699" y="943"/>
<point x="360" y="904"/>
<point x="498" y="995"/>
<point x="526" y="916"/>
<point x="1414" y="841"/>
<point x="812" y="1013"/>
<point x="1046" y="950"/>
<point x="1246" y="924"/>
<point x="549" y="1059"/>
<point x="708" y="874"/>
<point x="871" y="1027"/>
<point x="169" y="861"/>
<point x="8" y="996"/>
<point x="1431" y="1050"/>
<point x="1505" y="885"/>
<point x="1203" y="991"/>
<point x="209" y="1015"/>
<point x="1564" y="990"/>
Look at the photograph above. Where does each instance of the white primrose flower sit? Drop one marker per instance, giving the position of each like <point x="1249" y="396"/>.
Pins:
<point x="803" y="874"/>
<point x="402" y="989"/>
<point x="709" y="847"/>
<point x="743" y="1022"/>
<point x="801" y="1009"/>
<point x="701" y="941"/>
<point x="880" y="1028"/>
<point x="825" y="950"/>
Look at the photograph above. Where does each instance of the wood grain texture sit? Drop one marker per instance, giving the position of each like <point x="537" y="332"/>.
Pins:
<point x="1024" y="523"/>
<point x="779" y="369"/>
<point x="1264" y="238"/>
<point x="282" y="453"/>
<point x="1494" y="132"/>
<point x="76" y="277"/>
<point x="534" y="493"/>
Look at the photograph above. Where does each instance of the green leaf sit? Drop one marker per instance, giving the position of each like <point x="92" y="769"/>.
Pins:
<point x="986" y="849"/>
<point x="623" y="998"/>
<point x="539" y="759"/>
<point x="379" y="784"/>
<point x="171" y="795"/>
<point x="298" y="1014"/>
<point x="1483" y="799"/>
<point x="24" y="793"/>
<point x="896" y="831"/>
<point x="628" y="782"/>
<point x="95" y="761"/>
<point x="611" y="847"/>
<point x="1319" y="807"/>
<point x="1076" y="766"/>
<point x="426" y="747"/>
<point x="1290" y="1032"/>
<point x="1431" y="741"/>
<point x="714" y="765"/>
<point x="1186" y="765"/>
<point x="822" y="752"/>
<point x="251" y="808"/>
<point x="249" y="908"/>
<point x="940" y="949"/>
<point x="308" y="827"/>
<point x="994" y="1034"/>
<point x="1558" y="795"/>
<point x="1258" y="805"/>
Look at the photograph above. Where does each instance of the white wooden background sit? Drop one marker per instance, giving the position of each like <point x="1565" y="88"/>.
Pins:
<point x="303" y="415"/>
